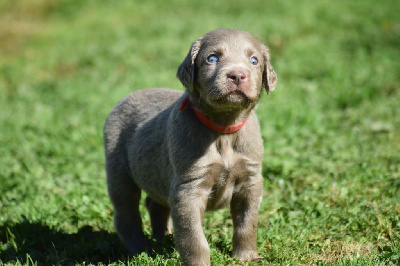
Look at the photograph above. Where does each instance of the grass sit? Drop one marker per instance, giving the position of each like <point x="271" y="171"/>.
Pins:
<point x="331" y="129"/>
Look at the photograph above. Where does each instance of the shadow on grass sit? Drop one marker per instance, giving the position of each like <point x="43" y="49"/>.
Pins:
<point x="48" y="246"/>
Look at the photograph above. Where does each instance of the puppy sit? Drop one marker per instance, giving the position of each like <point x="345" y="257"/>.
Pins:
<point x="193" y="151"/>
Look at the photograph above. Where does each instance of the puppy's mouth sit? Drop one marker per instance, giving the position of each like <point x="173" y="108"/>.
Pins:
<point x="236" y="96"/>
<point x="233" y="97"/>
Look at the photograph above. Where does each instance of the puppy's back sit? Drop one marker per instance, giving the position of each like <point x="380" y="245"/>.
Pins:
<point x="132" y="112"/>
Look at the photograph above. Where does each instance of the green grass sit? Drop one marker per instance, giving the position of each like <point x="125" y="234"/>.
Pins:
<point x="331" y="128"/>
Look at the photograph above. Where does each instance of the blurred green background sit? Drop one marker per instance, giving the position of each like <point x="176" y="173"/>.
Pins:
<point x="331" y="128"/>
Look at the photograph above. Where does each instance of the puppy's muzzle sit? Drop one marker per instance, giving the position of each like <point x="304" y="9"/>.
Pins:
<point x="237" y="76"/>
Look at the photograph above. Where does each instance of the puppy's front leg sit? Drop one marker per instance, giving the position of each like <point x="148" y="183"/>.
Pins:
<point x="187" y="211"/>
<point x="244" y="211"/>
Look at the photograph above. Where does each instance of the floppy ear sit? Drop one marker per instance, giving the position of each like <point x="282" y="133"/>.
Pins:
<point x="269" y="75"/>
<point x="186" y="70"/>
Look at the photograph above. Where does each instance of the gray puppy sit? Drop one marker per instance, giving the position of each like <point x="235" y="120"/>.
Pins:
<point x="194" y="151"/>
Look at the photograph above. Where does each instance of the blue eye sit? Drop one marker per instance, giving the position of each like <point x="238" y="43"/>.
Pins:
<point x="253" y="60"/>
<point x="213" y="59"/>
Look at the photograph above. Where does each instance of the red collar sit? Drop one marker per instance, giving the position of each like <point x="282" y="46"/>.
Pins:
<point x="210" y="124"/>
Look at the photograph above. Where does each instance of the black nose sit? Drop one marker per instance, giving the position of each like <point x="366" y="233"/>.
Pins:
<point x="237" y="77"/>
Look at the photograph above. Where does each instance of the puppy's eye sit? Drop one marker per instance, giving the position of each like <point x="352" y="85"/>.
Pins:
<point x="253" y="60"/>
<point x="213" y="59"/>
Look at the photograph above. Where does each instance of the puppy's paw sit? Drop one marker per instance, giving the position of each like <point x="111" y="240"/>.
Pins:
<point x="136" y="245"/>
<point x="247" y="255"/>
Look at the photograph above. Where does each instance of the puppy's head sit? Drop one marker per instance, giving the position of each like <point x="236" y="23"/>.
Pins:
<point x="227" y="69"/>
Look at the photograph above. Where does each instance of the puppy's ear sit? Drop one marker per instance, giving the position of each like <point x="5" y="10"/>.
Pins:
<point x="186" y="70"/>
<point x="269" y="76"/>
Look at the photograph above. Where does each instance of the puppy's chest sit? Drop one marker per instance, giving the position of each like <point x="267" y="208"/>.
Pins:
<point x="230" y="172"/>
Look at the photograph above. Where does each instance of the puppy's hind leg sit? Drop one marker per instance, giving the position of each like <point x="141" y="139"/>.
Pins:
<point x="125" y="196"/>
<point x="161" y="222"/>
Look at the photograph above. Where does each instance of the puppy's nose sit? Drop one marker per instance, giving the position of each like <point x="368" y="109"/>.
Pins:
<point x="237" y="77"/>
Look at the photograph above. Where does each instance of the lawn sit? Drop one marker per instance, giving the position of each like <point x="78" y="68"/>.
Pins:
<point x="331" y="128"/>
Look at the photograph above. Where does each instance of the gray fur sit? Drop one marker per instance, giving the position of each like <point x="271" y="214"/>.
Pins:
<point x="184" y="167"/>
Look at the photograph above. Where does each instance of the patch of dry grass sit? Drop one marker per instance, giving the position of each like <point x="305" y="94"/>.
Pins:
<point x="333" y="251"/>
<point x="20" y="20"/>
